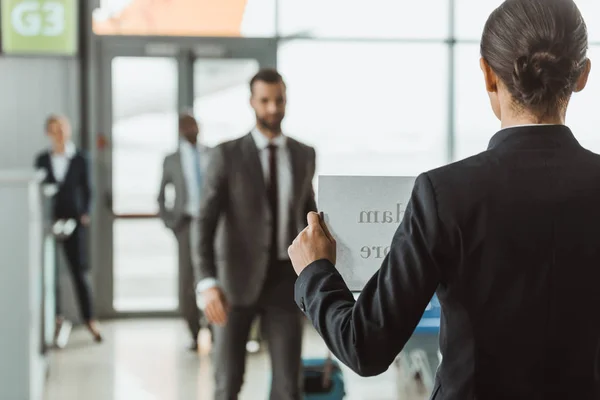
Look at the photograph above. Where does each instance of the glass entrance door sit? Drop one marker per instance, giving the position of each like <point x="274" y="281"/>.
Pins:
<point x="144" y="131"/>
<point x="137" y="260"/>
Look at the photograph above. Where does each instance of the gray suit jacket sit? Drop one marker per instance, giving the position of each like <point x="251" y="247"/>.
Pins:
<point x="235" y="223"/>
<point x="172" y="214"/>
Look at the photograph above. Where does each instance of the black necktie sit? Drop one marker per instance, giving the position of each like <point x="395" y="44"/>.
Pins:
<point x="273" y="196"/>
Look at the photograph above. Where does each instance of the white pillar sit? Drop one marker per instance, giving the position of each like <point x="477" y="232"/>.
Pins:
<point x="21" y="361"/>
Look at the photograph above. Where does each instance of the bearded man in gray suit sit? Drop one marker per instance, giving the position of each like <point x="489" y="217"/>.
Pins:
<point x="179" y="205"/>
<point x="256" y="195"/>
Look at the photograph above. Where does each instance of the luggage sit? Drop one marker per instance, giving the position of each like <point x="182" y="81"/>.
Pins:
<point x="323" y="379"/>
<point x="430" y="321"/>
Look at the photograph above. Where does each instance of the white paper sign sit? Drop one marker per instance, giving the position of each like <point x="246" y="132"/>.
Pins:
<point x="363" y="213"/>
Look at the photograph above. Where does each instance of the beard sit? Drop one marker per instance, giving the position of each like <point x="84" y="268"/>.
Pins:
<point x="273" y="124"/>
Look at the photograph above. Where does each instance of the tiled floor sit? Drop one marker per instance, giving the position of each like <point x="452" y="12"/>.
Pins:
<point x="148" y="360"/>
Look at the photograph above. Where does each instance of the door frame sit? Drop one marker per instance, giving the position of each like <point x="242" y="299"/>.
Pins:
<point x="185" y="50"/>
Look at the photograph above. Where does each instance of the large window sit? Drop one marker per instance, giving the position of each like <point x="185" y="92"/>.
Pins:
<point x="582" y="116"/>
<point x="471" y="15"/>
<point x="474" y="122"/>
<point x="368" y="80"/>
<point x="590" y="9"/>
<point x="221" y="91"/>
<point x="247" y="18"/>
<point x="407" y="19"/>
<point x="364" y="19"/>
<point x="373" y="107"/>
<point x="369" y="108"/>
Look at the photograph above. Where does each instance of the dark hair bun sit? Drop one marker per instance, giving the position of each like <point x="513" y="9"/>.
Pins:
<point x="541" y="77"/>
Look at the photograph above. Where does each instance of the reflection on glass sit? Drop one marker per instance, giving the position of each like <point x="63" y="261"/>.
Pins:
<point x="246" y="18"/>
<point x="144" y="131"/>
<point x="145" y="260"/>
<point x="368" y="108"/>
<point x="475" y="122"/>
<point x="368" y="19"/>
<point x="221" y="98"/>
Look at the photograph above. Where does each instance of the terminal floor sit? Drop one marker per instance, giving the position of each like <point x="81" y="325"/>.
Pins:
<point x="148" y="360"/>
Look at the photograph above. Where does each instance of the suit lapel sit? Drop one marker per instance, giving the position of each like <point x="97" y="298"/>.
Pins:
<point x="252" y="160"/>
<point x="48" y="164"/>
<point x="178" y="169"/>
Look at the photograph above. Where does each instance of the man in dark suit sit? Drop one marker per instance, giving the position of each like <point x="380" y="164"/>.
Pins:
<point x="67" y="167"/>
<point x="256" y="194"/>
<point x="183" y="172"/>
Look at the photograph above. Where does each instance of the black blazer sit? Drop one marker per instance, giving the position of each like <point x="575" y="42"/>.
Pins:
<point x="74" y="195"/>
<point x="510" y="241"/>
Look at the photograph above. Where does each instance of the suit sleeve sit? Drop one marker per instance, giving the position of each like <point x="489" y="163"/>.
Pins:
<point x="311" y="205"/>
<point x="162" y="210"/>
<point x="214" y="195"/>
<point x="368" y="334"/>
<point x="40" y="163"/>
<point x="85" y="184"/>
<point x="37" y="164"/>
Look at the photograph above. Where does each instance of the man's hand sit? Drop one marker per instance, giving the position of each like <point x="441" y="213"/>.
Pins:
<point x="85" y="220"/>
<point x="312" y="244"/>
<point x="216" y="307"/>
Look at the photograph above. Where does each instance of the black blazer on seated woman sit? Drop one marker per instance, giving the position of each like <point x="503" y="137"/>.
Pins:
<point x="74" y="194"/>
<point x="510" y="241"/>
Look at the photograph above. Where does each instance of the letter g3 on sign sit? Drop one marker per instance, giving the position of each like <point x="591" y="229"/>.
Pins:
<point x="35" y="18"/>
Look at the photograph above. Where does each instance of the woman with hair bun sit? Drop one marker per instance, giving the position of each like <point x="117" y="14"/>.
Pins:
<point x="509" y="239"/>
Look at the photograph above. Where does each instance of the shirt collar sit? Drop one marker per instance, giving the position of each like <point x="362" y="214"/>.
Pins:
<point x="185" y="143"/>
<point x="187" y="147"/>
<point x="524" y="125"/>
<point x="262" y="141"/>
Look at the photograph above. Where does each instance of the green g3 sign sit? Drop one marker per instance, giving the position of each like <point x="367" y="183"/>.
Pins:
<point x="39" y="26"/>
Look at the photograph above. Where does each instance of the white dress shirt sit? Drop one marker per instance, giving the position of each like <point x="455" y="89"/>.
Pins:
<point x="188" y="160"/>
<point x="284" y="185"/>
<point x="524" y="125"/>
<point x="59" y="162"/>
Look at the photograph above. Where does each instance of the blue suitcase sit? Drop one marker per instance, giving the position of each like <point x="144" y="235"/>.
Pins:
<point x="323" y="379"/>
<point x="430" y="321"/>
